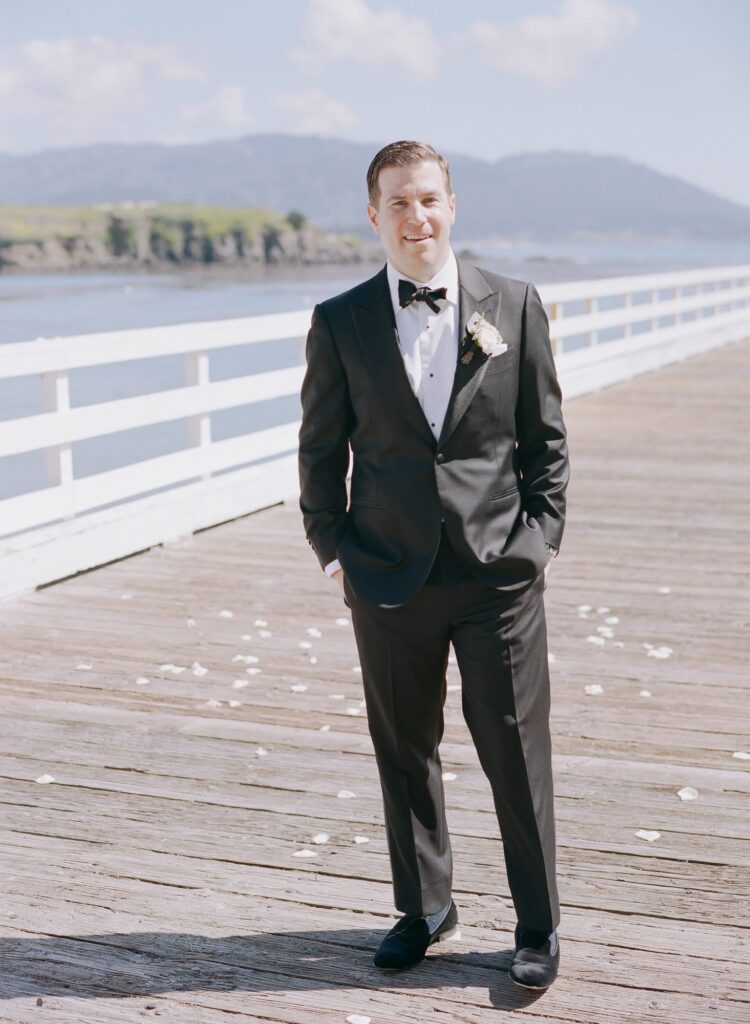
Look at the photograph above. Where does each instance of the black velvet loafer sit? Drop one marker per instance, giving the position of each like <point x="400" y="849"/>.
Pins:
<point x="536" y="958"/>
<point x="407" y="942"/>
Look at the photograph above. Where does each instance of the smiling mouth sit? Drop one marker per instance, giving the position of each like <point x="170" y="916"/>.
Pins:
<point x="417" y="238"/>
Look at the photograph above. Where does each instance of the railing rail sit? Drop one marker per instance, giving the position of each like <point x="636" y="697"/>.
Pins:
<point x="75" y="523"/>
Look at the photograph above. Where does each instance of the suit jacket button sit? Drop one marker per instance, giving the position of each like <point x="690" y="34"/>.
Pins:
<point x="440" y="457"/>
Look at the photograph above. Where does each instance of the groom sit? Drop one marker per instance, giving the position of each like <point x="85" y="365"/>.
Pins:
<point x="440" y="377"/>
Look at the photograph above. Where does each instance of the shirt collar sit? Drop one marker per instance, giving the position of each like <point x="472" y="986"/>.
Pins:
<point x="446" y="277"/>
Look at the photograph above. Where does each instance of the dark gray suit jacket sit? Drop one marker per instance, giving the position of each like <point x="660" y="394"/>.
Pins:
<point x="497" y="474"/>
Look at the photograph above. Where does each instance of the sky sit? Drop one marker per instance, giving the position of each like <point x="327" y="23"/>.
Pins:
<point x="665" y="83"/>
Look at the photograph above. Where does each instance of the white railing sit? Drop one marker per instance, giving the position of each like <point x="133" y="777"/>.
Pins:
<point x="74" y="524"/>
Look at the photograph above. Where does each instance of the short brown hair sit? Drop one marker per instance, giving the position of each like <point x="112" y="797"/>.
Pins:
<point x="403" y="154"/>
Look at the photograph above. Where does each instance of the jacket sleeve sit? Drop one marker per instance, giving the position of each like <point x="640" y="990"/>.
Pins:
<point x="323" y="457"/>
<point x="542" y="450"/>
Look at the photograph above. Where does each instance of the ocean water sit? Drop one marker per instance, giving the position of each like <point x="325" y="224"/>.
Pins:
<point x="59" y="305"/>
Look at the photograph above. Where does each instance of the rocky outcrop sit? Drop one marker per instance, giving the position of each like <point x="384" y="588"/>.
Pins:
<point x="158" y="242"/>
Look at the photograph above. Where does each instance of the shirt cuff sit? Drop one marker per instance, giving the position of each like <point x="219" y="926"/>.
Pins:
<point x="331" y="568"/>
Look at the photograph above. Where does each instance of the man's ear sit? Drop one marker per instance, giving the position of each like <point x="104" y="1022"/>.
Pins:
<point x="372" y="216"/>
<point x="452" y="202"/>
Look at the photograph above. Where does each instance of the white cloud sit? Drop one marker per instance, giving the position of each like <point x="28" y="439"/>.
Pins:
<point x="349" y="31"/>
<point x="225" y="110"/>
<point x="314" y="112"/>
<point x="552" y="49"/>
<point x="82" y="89"/>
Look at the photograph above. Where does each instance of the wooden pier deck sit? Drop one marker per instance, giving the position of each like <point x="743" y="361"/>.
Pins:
<point x="158" y="874"/>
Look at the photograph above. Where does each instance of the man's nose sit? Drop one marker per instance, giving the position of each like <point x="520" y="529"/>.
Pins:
<point x="416" y="214"/>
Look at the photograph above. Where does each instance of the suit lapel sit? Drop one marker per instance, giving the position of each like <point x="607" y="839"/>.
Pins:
<point x="474" y="296"/>
<point x="375" y="326"/>
<point x="376" y="329"/>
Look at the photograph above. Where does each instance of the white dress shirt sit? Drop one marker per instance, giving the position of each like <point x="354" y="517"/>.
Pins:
<point x="429" y="345"/>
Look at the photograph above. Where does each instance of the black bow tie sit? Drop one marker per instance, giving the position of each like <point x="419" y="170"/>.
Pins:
<point x="408" y="292"/>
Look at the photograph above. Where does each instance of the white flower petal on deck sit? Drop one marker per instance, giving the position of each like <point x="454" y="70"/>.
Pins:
<point x="248" y="659"/>
<point x="304" y="644"/>
<point x="593" y="688"/>
<point x="359" y="840"/>
<point x="313" y="661"/>
<point x="647" y="834"/>
<point x="741" y="755"/>
<point x="644" y="693"/>
<point x="190" y="622"/>
<point x="345" y="794"/>
<point x="660" y="652"/>
<point x="142" y="681"/>
<point x="240" y="684"/>
<point x="551" y="659"/>
<point x="341" y="621"/>
<point x="598" y="640"/>
<point x="313" y="631"/>
<point x="226" y="614"/>
<point x="298" y="687"/>
<point x="265" y="633"/>
<point x="321" y="837"/>
<point x="353" y="711"/>
<point x="247" y="636"/>
<point x="583" y="615"/>
<point x="664" y="590"/>
<point x="617" y="643"/>
<point x="356" y="668"/>
<point x="261" y="752"/>
<point x="260" y="622"/>
<point x="612" y="620"/>
<point x="605" y="631"/>
<point x="603" y="610"/>
<point x="176" y="669"/>
<point x="449" y="776"/>
<point x="44" y="780"/>
<point x="584" y="607"/>
<point x="324" y="728"/>
<point x="358" y="1018"/>
<point x="305" y="853"/>
<point x="336" y="696"/>
<point x="235" y="704"/>
<point x="126" y="597"/>
<point x="85" y="666"/>
<point x="211" y="704"/>
<point x="198" y="669"/>
<point x="253" y="671"/>
<point x="687" y="793"/>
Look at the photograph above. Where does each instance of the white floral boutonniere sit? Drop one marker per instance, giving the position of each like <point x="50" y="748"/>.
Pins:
<point x="486" y="337"/>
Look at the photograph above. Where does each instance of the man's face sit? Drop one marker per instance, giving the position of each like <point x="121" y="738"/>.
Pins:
<point x="413" y="218"/>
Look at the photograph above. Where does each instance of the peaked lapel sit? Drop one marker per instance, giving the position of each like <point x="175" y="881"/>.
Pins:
<point x="376" y="330"/>
<point x="475" y="295"/>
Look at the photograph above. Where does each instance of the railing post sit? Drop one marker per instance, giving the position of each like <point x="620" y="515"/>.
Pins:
<point x="654" y="302"/>
<point x="592" y="306"/>
<point x="58" y="459"/>
<point x="199" y="426"/>
<point x="627" y="301"/>
<point x="555" y="314"/>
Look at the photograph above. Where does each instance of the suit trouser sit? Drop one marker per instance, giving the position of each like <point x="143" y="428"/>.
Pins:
<point x="500" y="640"/>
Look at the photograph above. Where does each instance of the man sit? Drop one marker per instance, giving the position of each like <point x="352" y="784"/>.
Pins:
<point x="441" y="378"/>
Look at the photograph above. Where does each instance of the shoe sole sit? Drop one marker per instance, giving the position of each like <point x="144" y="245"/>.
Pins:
<point x="531" y="988"/>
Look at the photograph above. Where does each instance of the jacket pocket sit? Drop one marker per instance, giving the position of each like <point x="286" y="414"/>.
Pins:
<point x="367" y="504"/>
<point x="504" y="494"/>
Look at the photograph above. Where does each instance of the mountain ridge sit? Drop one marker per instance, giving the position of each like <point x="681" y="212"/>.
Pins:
<point x="554" y="194"/>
